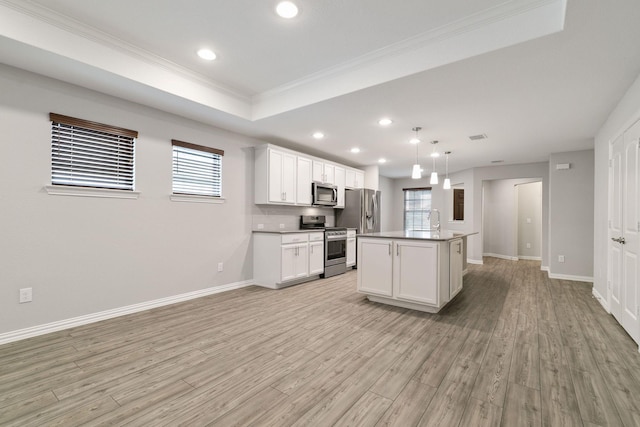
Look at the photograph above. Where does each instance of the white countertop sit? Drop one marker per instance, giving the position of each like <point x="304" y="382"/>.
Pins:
<point x="442" y="235"/>
<point x="287" y="231"/>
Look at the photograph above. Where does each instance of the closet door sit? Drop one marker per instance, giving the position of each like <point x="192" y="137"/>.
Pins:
<point x="624" y="230"/>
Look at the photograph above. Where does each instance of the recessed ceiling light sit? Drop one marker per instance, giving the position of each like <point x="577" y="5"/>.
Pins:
<point x="478" y="137"/>
<point x="382" y="160"/>
<point x="385" y="122"/>
<point x="355" y="150"/>
<point x="435" y="154"/>
<point x="414" y="140"/>
<point x="207" y="54"/>
<point x="318" y="135"/>
<point x="287" y="9"/>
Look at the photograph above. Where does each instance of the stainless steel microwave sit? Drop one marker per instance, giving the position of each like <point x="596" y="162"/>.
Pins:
<point x="324" y="194"/>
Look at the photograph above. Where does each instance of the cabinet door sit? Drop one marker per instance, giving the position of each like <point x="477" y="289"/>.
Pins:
<point x="455" y="267"/>
<point x="329" y="174"/>
<point x="375" y="265"/>
<point x="289" y="177"/>
<point x="359" y="180"/>
<point x="302" y="261"/>
<point x="288" y="262"/>
<point x="350" y="179"/>
<point x="339" y="182"/>
<point x="416" y="271"/>
<point x="351" y="252"/>
<point x="318" y="171"/>
<point x="303" y="191"/>
<point x="276" y="192"/>
<point x="316" y="258"/>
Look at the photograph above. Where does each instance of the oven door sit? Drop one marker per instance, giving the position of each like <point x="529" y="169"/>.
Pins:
<point x="335" y="250"/>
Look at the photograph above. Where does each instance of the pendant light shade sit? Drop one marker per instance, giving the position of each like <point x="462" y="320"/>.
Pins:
<point x="447" y="181"/>
<point x="434" y="178"/>
<point x="447" y="184"/>
<point x="416" y="172"/>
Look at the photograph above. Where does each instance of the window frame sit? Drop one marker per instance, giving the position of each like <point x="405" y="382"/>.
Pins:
<point x="406" y="191"/>
<point x="185" y="196"/>
<point x="91" y="135"/>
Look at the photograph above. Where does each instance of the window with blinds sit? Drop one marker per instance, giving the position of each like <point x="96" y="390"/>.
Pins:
<point x="197" y="170"/>
<point x="90" y="154"/>
<point x="417" y="205"/>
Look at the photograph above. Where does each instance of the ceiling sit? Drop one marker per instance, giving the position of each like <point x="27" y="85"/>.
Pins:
<point x="535" y="76"/>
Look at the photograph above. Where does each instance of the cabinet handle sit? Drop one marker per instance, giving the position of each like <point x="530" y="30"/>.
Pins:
<point x="459" y="247"/>
<point x="397" y="249"/>
<point x="389" y="249"/>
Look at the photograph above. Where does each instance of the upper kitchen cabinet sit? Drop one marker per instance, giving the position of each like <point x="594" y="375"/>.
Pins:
<point x="275" y="177"/>
<point x="303" y="192"/>
<point x="354" y="179"/>
<point x="340" y="183"/>
<point x="324" y="172"/>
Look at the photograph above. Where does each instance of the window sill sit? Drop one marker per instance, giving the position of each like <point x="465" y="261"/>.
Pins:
<point x="453" y="221"/>
<point x="196" y="199"/>
<point x="70" y="190"/>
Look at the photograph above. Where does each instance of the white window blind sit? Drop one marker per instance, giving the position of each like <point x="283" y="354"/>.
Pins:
<point x="417" y="205"/>
<point x="90" y="154"/>
<point x="197" y="169"/>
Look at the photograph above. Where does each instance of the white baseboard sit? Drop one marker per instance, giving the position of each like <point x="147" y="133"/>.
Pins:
<point x="60" y="325"/>
<point x="529" y="258"/>
<point x="475" y="261"/>
<point x="603" y="302"/>
<point x="571" y="277"/>
<point x="507" y="257"/>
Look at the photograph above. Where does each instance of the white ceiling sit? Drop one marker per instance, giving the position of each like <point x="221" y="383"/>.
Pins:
<point x="537" y="76"/>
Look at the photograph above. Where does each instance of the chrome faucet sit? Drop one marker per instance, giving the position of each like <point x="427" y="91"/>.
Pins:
<point x="434" y="219"/>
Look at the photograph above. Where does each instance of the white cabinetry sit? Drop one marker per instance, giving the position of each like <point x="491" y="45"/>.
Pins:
<point x="281" y="260"/>
<point x="316" y="253"/>
<point x="354" y="178"/>
<point x="303" y="184"/>
<point x="351" y="247"/>
<point x="455" y="267"/>
<point x="375" y="267"/>
<point x="275" y="176"/>
<point x="340" y="183"/>
<point x="420" y="274"/>
<point x="415" y="271"/>
<point x="323" y="172"/>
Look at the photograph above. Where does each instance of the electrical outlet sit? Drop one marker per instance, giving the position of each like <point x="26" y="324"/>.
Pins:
<point x="528" y="245"/>
<point x="281" y="225"/>
<point x="260" y="226"/>
<point x="220" y="266"/>
<point x="26" y="295"/>
<point x="560" y="258"/>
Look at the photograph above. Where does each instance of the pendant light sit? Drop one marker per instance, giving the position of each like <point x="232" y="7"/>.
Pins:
<point x="416" y="173"/>
<point x="447" y="181"/>
<point x="434" y="174"/>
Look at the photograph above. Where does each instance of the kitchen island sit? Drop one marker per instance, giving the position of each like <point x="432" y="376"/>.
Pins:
<point x="420" y="270"/>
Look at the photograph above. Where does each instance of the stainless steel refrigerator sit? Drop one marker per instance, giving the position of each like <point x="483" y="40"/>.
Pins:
<point x="361" y="211"/>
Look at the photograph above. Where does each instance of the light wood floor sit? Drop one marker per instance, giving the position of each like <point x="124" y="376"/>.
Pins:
<point x="514" y="348"/>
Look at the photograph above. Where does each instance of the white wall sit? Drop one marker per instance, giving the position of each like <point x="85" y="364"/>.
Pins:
<point x="84" y="255"/>
<point x="500" y="227"/>
<point x="571" y="213"/>
<point x="386" y="203"/>
<point x="529" y="220"/>
<point x="621" y="118"/>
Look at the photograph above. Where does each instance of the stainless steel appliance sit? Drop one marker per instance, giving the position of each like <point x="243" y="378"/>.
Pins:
<point x="335" y="251"/>
<point x="335" y="244"/>
<point x="361" y="211"/>
<point x="324" y="194"/>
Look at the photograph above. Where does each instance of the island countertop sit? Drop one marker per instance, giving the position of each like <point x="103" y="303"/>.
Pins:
<point x="439" y="236"/>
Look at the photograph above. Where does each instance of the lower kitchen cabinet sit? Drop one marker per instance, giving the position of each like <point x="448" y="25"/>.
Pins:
<point x="351" y="247"/>
<point x="421" y="274"/>
<point x="284" y="259"/>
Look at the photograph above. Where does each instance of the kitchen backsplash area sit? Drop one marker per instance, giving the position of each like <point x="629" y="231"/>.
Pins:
<point x="270" y="218"/>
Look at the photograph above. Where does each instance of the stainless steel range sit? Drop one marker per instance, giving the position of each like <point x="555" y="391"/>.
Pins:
<point x="335" y="244"/>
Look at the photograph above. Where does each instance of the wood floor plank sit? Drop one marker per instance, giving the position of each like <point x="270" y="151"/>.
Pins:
<point x="522" y="407"/>
<point x="409" y="406"/>
<point x="513" y="348"/>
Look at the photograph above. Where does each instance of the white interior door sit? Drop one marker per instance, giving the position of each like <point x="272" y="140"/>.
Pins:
<point x="624" y="228"/>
